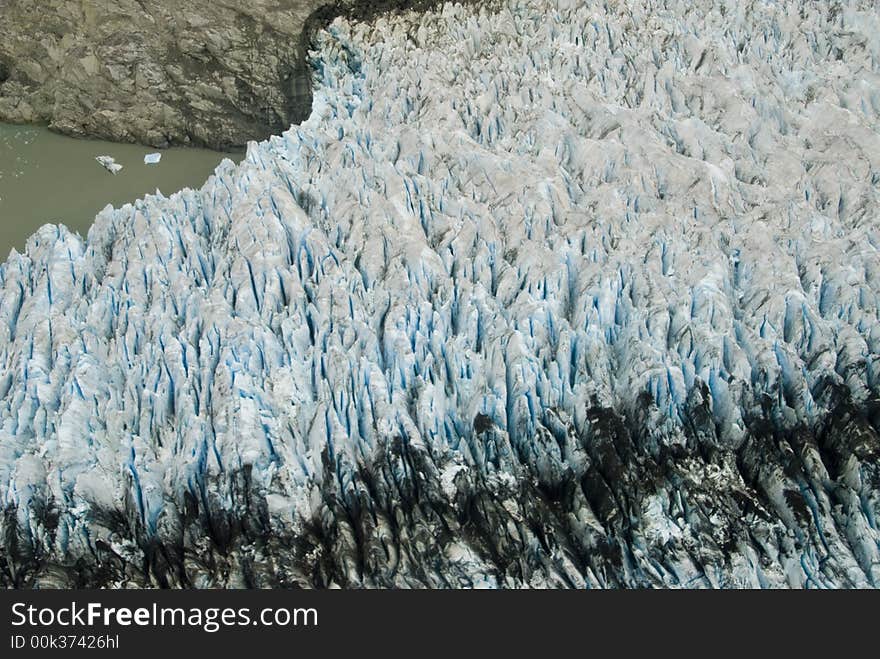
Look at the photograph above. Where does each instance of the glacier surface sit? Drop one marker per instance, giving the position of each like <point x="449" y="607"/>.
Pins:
<point x="543" y="293"/>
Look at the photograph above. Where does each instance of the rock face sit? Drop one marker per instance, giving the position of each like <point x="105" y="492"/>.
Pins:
<point x="160" y="72"/>
<point x="558" y="294"/>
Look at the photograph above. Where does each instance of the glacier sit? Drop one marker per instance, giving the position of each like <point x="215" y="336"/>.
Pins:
<point x="544" y="293"/>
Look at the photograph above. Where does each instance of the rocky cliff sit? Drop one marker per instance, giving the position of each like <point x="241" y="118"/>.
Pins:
<point x="161" y="72"/>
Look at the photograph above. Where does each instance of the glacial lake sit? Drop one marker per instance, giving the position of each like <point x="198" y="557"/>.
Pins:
<point x="50" y="178"/>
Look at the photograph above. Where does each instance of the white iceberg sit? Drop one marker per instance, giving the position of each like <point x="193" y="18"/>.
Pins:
<point x="109" y="163"/>
<point x="152" y="158"/>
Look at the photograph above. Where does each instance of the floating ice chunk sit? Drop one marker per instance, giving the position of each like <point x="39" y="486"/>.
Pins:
<point x="109" y="163"/>
<point x="152" y="158"/>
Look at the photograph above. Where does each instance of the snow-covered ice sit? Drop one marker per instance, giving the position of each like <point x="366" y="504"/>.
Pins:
<point x="553" y="294"/>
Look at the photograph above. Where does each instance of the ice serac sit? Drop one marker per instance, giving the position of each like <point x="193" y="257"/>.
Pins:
<point x="556" y="294"/>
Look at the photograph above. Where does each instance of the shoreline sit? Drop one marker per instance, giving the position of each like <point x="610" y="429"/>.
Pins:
<point x="222" y="84"/>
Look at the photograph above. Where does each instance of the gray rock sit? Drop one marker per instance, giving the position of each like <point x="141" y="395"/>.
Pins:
<point x="161" y="72"/>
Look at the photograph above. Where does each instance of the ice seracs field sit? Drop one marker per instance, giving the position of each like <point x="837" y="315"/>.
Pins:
<point x="544" y="293"/>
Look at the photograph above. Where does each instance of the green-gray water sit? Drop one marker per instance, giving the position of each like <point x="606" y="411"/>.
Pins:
<point x="45" y="177"/>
